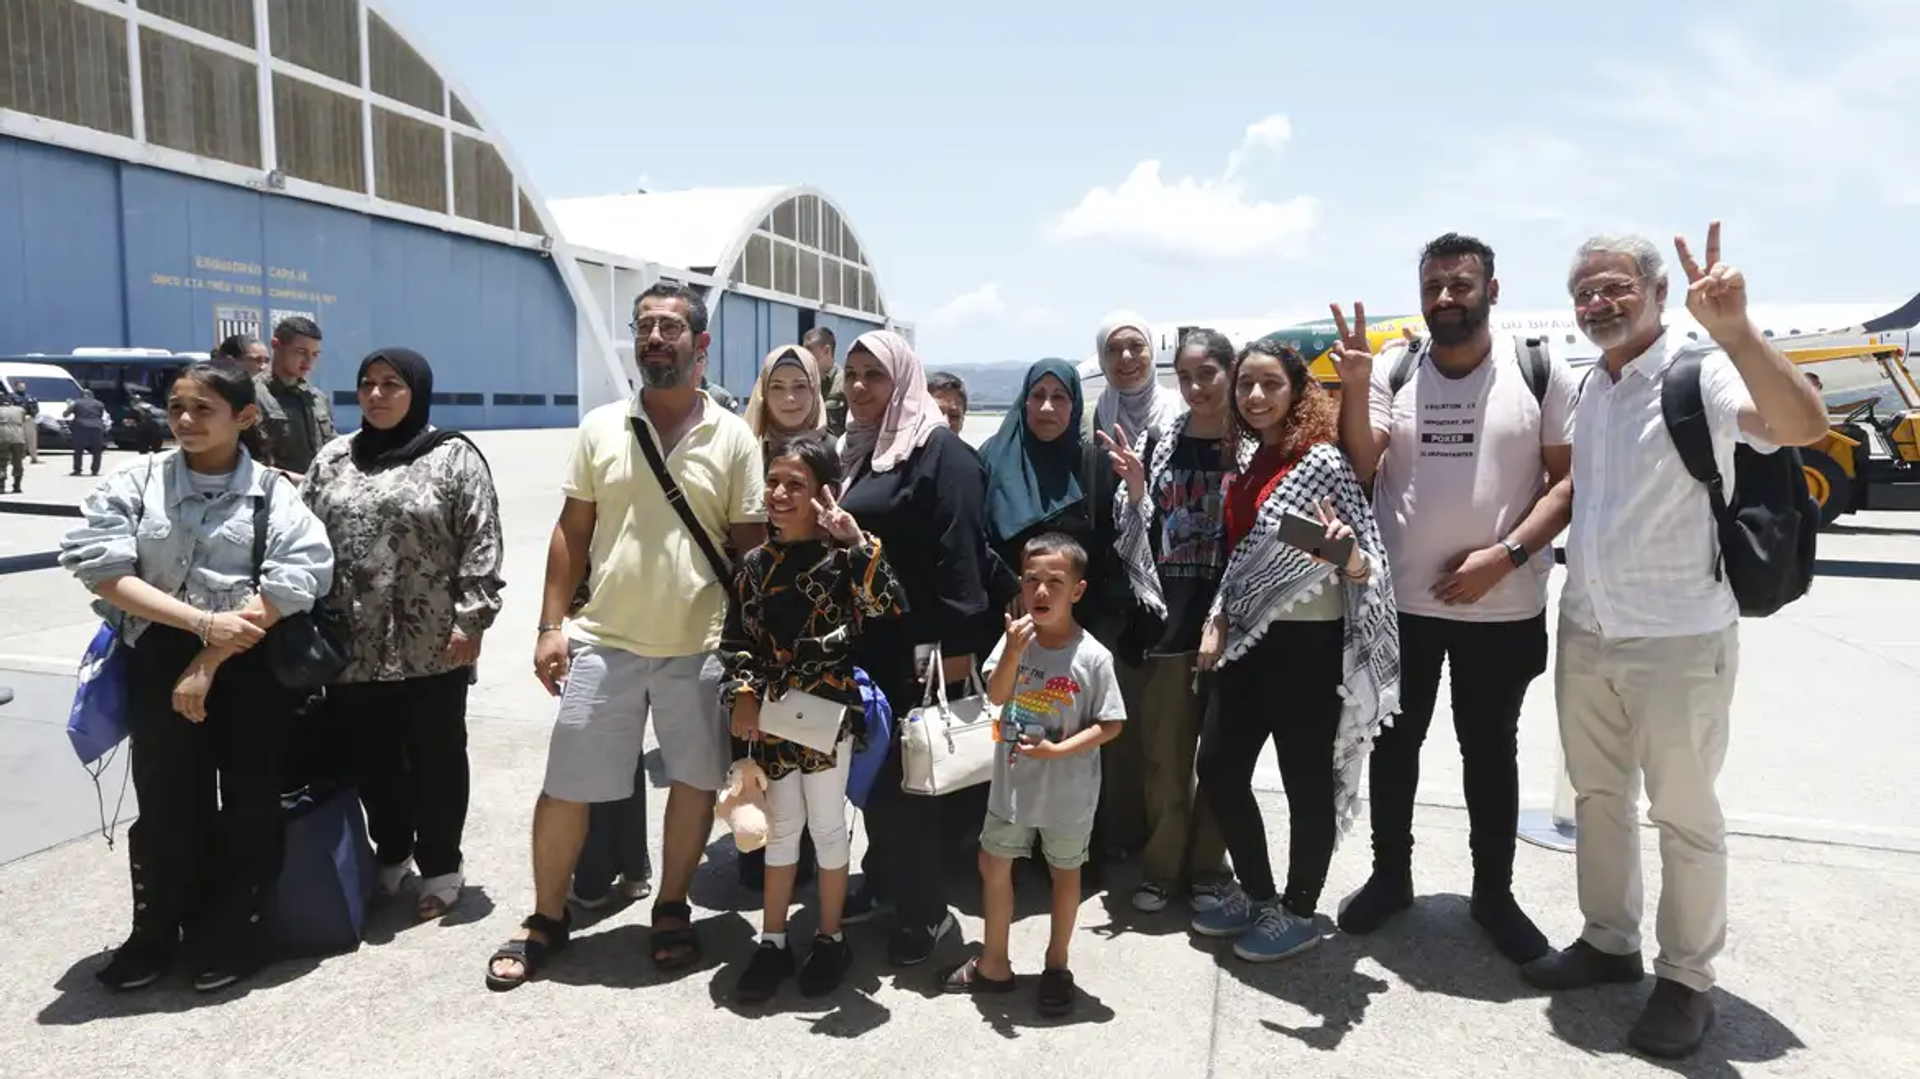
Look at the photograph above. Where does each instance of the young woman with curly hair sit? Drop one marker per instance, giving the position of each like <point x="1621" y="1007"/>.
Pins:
<point x="1307" y="652"/>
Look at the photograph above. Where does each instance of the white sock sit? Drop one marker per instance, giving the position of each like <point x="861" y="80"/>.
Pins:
<point x="778" y="940"/>
<point x="836" y="936"/>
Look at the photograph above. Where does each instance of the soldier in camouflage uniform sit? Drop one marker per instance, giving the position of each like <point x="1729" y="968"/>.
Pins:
<point x="294" y="413"/>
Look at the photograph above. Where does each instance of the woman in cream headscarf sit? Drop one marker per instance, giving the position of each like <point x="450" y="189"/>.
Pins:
<point x="786" y="396"/>
<point x="1133" y="397"/>
<point x="919" y="489"/>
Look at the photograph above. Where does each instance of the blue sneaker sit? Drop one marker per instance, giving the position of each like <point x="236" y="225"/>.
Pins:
<point x="1234" y="915"/>
<point x="1277" y="934"/>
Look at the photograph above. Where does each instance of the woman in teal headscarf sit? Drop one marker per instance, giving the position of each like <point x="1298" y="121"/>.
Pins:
<point x="1043" y="475"/>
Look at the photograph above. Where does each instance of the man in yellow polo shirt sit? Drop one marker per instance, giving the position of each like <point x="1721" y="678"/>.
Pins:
<point x="643" y="643"/>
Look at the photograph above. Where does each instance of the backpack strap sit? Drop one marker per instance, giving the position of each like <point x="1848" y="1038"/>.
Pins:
<point x="676" y="498"/>
<point x="1684" y="410"/>
<point x="261" y="507"/>
<point x="1534" y="366"/>
<point x="1403" y="367"/>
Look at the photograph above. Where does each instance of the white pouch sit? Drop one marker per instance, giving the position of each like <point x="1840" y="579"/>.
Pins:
<point x="947" y="746"/>
<point x="801" y="717"/>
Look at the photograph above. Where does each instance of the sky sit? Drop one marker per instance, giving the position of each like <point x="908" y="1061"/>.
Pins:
<point x="1018" y="170"/>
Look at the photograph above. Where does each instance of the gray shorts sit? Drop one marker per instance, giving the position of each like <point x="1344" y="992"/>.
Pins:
<point x="601" y="731"/>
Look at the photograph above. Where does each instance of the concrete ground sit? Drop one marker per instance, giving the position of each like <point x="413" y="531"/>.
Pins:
<point x="1825" y="902"/>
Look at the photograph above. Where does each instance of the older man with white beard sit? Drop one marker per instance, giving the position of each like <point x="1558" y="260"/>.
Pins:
<point x="1649" y="642"/>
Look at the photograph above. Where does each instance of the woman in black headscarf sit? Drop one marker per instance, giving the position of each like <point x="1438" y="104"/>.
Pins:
<point x="415" y="525"/>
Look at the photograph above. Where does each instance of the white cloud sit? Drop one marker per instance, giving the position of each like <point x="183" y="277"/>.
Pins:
<point x="985" y="305"/>
<point x="1214" y="219"/>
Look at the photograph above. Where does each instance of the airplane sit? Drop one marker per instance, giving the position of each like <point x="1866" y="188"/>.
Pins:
<point x="1797" y="326"/>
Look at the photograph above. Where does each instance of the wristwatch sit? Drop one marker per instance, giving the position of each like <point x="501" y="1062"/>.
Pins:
<point x="1515" y="552"/>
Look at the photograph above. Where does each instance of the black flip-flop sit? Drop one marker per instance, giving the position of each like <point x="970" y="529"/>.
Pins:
<point x="966" y="978"/>
<point x="529" y="953"/>
<point x="1056" y="993"/>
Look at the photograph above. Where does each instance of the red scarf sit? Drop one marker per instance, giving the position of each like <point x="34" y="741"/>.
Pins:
<point x="1246" y="491"/>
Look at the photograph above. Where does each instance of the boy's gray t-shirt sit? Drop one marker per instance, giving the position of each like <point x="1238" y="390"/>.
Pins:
<point x="1064" y="690"/>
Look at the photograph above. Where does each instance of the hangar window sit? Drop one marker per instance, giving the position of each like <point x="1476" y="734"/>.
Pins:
<point x="461" y="115"/>
<point x="482" y="183"/>
<point x="809" y="275"/>
<point x="199" y="101"/>
<point x="319" y="35"/>
<point x="317" y="134"/>
<point x="759" y="261"/>
<point x="399" y="72"/>
<point x="66" y="63"/>
<point x="529" y="221"/>
<point x="229" y="19"/>
<point x="409" y="161"/>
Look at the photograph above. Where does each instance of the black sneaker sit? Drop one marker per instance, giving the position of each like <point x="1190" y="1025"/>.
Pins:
<point x="771" y="964"/>
<point x="1581" y="965"/>
<point x="912" y="945"/>
<point x="861" y="907"/>
<point x="1512" y="932"/>
<point x="135" y="965"/>
<point x="827" y="963"/>
<point x="226" y="971"/>
<point x="1675" y="1022"/>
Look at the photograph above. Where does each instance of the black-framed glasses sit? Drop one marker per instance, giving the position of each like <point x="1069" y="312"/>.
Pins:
<point x="670" y="328"/>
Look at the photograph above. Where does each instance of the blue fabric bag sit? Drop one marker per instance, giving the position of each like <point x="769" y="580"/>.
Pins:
<point x="98" y="719"/>
<point x="327" y="876"/>
<point x="866" y="763"/>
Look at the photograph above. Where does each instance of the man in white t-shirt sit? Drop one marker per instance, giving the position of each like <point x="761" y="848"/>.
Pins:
<point x="1466" y="438"/>
<point x="1649" y="626"/>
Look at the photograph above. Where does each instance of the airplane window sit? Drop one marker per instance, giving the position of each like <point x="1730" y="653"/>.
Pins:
<point x="1569" y="339"/>
<point x="1766" y="333"/>
<point x="1691" y="336"/>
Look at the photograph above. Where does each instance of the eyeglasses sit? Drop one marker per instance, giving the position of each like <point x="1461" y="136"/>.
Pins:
<point x="670" y="328"/>
<point x="1612" y="290"/>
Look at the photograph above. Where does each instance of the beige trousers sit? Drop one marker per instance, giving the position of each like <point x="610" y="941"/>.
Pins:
<point x="1658" y="707"/>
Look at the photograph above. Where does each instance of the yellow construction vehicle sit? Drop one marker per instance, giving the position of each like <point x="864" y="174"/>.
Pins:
<point x="1870" y="458"/>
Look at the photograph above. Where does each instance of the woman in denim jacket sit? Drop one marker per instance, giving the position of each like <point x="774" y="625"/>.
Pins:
<point x="168" y="549"/>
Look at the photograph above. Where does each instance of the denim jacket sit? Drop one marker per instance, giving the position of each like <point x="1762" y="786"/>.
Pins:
<point x="147" y="519"/>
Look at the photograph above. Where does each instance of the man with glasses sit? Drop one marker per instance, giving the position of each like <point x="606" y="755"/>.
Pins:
<point x="643" y="643"/>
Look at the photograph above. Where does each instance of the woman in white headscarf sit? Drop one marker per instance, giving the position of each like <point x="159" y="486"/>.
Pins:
<point x="1133" y="398"/>
<point x="913" y="484"/>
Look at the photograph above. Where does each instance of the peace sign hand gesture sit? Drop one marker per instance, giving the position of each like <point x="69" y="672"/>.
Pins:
<point x="837" y="522"/>
<point x="1353" y="353"/>
<point x="1717" y="295"/>
<point x="1338" y="530"/>
<point x="1126" y="463"/>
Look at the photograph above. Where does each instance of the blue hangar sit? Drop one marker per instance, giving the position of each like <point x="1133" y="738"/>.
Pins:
<point x="175" y="171"/>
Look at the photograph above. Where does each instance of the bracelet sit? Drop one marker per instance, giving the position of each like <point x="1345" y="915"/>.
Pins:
<point x="205" y="628"/>
<point x="549" y="627"/>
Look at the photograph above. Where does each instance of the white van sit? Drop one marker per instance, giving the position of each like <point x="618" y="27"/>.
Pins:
<point x="53" y="387"/>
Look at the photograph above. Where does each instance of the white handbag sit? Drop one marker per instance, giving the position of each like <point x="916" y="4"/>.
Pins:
<point x="801" y="717"/>
<point x="947" y="746"/>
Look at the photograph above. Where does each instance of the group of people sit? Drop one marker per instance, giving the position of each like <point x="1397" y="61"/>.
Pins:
<point x="391" y="535"/>
<point x="1146" y="588"/>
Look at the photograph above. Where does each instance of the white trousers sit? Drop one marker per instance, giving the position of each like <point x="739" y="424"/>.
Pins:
<point x="815" y="803"/>
<point x="1658" y="707"/>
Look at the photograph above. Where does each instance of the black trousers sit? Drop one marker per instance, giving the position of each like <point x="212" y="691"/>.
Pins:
<point x="1491" y="665"/>
<point x="616" y="842"/>
<point x="88" y="440"/>
<point x="205" y="852"/>
<point x="410" y="761"/>
<point x="904" y="862"/>
<point x="1286" y="688"/>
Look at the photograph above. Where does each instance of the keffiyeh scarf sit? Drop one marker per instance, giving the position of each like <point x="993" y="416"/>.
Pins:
<point x="1266" y="576"/>
<point x="1134" y="542"/>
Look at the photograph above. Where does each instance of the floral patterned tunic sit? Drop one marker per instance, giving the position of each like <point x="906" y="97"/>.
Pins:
<point x="417" y="552"/>
<point x="799" y="607"/>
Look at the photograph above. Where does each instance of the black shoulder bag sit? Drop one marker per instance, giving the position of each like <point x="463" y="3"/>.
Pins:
<point x="722" y="570"/>
<point x="307" y="650"/>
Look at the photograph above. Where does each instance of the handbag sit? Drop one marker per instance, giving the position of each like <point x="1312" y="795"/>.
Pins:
<point x="722" y="570"/>
<point x="327" y="873"/>
<point x="799" y="716"/>
<point x="307" y="650"/>
<point x="947" y="746"/>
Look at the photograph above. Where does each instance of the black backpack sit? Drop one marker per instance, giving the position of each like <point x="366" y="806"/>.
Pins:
<point x="1768" y="531"/>
<point x="1533" y="366"/>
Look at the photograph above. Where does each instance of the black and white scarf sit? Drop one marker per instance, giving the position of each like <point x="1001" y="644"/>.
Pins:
<point x="1266" y="576"/>
<point x="1133" y="539"/>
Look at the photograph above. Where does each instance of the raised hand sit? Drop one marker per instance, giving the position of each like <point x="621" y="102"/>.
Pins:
<point x="1338" y="530"/>
<point x="1716" y="295"/>
<point x="1353" y="353"/>
<point x="837" y="522"/>
<point x="1126" y="463"/>
<point x="1019" y="634"/>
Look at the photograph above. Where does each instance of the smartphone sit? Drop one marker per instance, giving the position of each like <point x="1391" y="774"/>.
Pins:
<point x="1011" y="730"/>
<point x="1308" y="534"/>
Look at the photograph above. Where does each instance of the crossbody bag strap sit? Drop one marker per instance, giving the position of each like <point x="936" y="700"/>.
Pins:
<point x="678" y="500"/>
<point x="261" y="512"/>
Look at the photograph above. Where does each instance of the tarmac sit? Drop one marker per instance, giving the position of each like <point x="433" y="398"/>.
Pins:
<point x="1824" y="900"/>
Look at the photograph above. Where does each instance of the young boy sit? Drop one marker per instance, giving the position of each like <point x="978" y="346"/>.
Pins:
<point x="1060" y="701"/>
